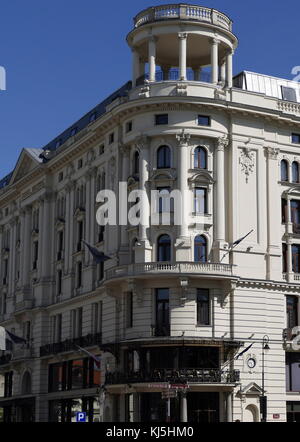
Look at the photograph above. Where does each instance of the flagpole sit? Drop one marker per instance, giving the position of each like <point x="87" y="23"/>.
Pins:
<point x="236" y="243"/>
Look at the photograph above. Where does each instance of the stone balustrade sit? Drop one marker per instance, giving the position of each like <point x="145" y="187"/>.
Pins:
<point x="194" y="268"/>
<point x="183" y="12"/>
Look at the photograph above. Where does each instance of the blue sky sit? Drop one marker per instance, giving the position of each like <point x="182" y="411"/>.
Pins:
<point x="62" y="57"/>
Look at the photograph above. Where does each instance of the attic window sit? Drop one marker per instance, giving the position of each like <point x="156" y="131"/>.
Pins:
<point x="288" y="94"/>
<point x="101" y="149"/>
<point x="93" y="117"/>
<point x="79" y="164"/>
<point x="60" y="176"/>
<point x="58" y="143"/>
<point x="73" y="131"/>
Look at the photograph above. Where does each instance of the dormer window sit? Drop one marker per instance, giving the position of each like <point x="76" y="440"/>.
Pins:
<point x="73" y="131"/>
<point x="93" y="117"/>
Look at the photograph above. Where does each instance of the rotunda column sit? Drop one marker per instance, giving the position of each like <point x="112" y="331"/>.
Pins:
<point x="152" y="57"/>
<point x="182" y="55"/>
<point x="135" y="66"/>
<point x="214" y="60"/>
<point x="229" y="68"/>
<point x="143" y="146"/>
<point x="223" y="72"/>
<point x="125" y="150"/>
<point x="183" y="140"/>
<point x="219" y="215"/>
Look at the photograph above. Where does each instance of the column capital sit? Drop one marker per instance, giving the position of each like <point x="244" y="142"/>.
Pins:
<point x="215" y="41"/>
<point x="124" y="149"/>
<point x="182" y="35"/>
<point x="142" y="142"/>
<point x="153" y="38"/>
<point x="272" y="152"/>
<point x="222" y="142"/>
<point x="183" y="138"/>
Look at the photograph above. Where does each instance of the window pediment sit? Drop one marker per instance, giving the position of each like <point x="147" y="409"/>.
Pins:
<point x="166" y="175"/>
<point x="201" y="177"/>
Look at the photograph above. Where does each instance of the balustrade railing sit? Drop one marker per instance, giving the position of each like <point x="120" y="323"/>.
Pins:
<point x="183" y="375"/>
<point x="170" y="267"/>
<point x="183" y="12"/>
<point x="174" y="75"/>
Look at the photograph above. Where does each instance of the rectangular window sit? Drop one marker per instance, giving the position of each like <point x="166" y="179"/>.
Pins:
<point x="35" y="254"/>
<point x="200" y="200"/>
<point x="79" y="274"/>
<point x="283" y="210"/>
<point x="295" y="215"/>
<point x="79" y="235"/>
<point x="296" y="258"/>
<point x="291" y="311"/>
<point x="56" y="328"/>
<point x="296" y="138"/>
<point x="165" y="203"/>
<point x="203" y="307"/>
<point x="162" y="327"/>
<point x="129" y="310"/>
<point x="97" y="317"/>
<point x="27" y="331"/>
<point x="101" y="149"/>
<point x="111" y="138"/>
<point x="79" y="164"/>
<point x="284" y="257"/>
<point x="59" y="282"/>
<point x="293" y="372"/>
<point x="203" y="120"/>
<point x="60" y="244"/>
<point x="161" y="119"/>
<point x="60" y="176"/>
<point x="8" y="384"/>
<point x="128" y="126"/>
<point x="79" y="322"/>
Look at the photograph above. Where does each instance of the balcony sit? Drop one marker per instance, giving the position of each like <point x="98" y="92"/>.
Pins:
<point x="183" y="12"/>
<point x="170" y="268"/>
<point x="70" y="344"/>
<point x="174" y="75"/>
<point x="177" y="376"/>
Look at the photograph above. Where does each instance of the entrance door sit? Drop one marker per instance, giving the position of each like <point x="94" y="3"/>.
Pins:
<point x="203" y="407"/>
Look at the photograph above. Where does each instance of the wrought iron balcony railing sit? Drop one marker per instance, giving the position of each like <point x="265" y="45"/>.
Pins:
<point x="183" y="375"/>
<point x="70" y="344"/>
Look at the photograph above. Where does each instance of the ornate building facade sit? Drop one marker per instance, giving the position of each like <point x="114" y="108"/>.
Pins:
<point x="171" y="313"/>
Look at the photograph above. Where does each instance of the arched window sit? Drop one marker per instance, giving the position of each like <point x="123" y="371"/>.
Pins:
<point x="284" y="170"/>
<point x="164" y="248"/>
<point x="163" y="157"/>
<point x="200" y="249"/>
<point x="295" y="172"/>
<point x="200" y="158"/>
<point x="136" y="162"/>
